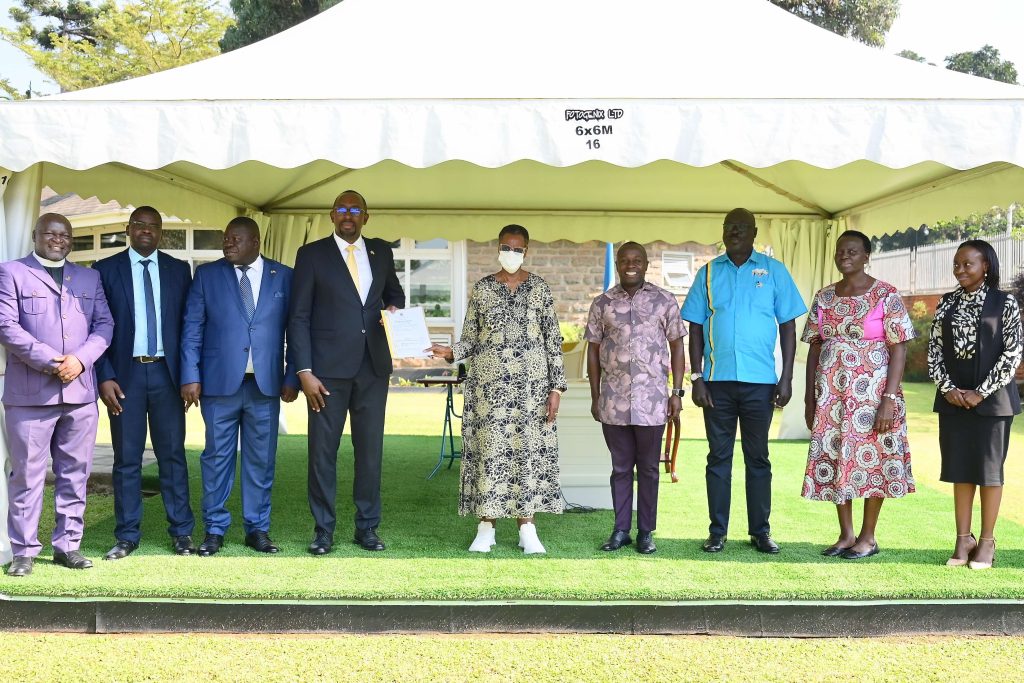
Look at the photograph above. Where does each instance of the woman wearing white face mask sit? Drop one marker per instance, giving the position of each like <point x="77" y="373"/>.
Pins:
<point x="512" y="391"/>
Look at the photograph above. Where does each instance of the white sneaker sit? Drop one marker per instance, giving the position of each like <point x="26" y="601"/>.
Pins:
<point x="528" y="540"/>
<point x="484" y="538"/>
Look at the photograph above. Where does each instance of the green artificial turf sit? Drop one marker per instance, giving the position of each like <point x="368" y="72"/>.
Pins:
<point x="540" y="659"/>
<point x="427" y="541"/>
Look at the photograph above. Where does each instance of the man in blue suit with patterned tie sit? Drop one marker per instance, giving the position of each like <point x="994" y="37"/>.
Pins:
<point x="138" y="380"/>
<point x="233" y="359"/>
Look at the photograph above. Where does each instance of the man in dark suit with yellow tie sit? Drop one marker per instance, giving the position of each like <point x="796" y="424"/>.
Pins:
<point x="340" y="286"/>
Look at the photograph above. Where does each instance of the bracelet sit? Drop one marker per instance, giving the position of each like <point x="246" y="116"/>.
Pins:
<point x="558" y="391"/>
<point x="890" y="396"/>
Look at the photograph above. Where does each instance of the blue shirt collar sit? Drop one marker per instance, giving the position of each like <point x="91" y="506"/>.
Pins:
<point x="135" y="257"/>
<point x="756" y="257"/>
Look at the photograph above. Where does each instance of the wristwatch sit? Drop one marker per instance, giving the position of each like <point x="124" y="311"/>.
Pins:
<point x="679" y="392"/>
<point x="694" y="376"/>
<point x="890" y="396"/>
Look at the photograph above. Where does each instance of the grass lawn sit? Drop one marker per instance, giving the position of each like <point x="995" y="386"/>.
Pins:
<point x="29" y="657"/>
<point x="427" y="559"/>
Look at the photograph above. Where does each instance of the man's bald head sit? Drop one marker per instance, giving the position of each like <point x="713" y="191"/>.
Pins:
<point x="51" y="237"/>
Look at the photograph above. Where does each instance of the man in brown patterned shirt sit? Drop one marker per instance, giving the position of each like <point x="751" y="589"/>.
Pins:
<point x="634" y="329"/>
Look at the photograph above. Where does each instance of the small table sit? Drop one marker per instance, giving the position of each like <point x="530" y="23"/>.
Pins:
<point x="448" y="431"/>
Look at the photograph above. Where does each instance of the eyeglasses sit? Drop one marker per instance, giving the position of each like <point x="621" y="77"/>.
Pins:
<point x="143" y="224"/>
<point x="350" y="210"/>
<point x="505" y="248"/>
<point x="57" y="237"/>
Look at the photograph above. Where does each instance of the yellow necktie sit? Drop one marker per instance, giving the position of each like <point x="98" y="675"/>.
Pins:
<point x="353" y="268"/>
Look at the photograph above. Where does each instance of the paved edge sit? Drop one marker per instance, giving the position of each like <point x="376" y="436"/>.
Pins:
<point x="804" y="619"/>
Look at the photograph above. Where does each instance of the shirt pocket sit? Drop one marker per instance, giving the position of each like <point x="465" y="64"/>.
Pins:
<point x="34" y="303"/>
<point x="84" y="302"/>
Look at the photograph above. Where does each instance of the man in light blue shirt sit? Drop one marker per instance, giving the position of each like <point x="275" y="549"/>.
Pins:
<point x="740" y="303"/>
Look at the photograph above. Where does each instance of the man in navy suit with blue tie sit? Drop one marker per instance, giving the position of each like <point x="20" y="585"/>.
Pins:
<point x="233" y="359"/>
<point x="138" y="380"/>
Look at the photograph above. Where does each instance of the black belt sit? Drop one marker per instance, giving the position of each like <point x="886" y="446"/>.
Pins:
<point x="148" y="359"/>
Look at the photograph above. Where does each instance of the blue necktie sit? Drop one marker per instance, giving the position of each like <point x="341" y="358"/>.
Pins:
<point x="147" y="286"/>
<point x="245" y="286"/>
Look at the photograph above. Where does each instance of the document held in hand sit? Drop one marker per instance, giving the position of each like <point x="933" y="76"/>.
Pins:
<point x="407" y="332"/>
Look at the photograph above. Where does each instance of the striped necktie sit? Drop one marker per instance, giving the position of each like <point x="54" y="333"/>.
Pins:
<point x="245" y="286"/>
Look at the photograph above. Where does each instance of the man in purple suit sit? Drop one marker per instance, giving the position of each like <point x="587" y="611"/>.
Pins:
<point x="54" y="324"/>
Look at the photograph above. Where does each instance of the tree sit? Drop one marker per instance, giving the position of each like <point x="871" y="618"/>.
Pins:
<point x="864" y="20"/>
<point x="75" y="19"/>
<point x="911" y="55"/>
<point x="123" y="40"/>
<point x="259" y="19"/>
<point x="985" y="63"/>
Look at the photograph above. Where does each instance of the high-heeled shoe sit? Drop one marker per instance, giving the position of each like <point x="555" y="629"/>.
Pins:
<point x="974" y="564"/>
<point x="956" y="561"/>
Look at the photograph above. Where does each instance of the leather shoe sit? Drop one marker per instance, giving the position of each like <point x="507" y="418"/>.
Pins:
<point x="617" y="540"/>
<point x="71" y="559"/>
<point x="211" y="545"/>
<point x="183" y="545"/>
<point x="645" y="543"/>
<point x="834" y="551"/>
<point x="764" y="544"/>
<point x="368" y="539"/>
<point x="322" y="543"/>
<point x="121" y="550"/>
<point x="850" y="555"/>
<point x="260" y="542"/>
<point x="20" y="566"/>
<point x="714" y="544"/>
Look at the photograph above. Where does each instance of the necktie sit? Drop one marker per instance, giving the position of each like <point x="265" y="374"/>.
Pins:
<point x="147" y="287"/>
<point x="245" y="286"/>
<point x="353" y="268"/>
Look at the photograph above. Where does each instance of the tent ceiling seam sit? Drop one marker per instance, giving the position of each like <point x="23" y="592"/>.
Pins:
<point x="545" y="212"/>
<point x="761" y="182"/>
<point x="192" y="186"/>
<point x="278" y="201"/>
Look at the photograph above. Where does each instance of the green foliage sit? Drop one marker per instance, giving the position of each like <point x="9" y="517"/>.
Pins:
<point x="985" y="63"/>
<point x="118" y="42"/>
<point x="864" y="20"/>
<point x="9" y="91"/>
<point x="259" y="19"/>
<point x="917" y="349"/>
<point x="571" y="332"/>
<point x="911" y="55"/>
<point x="73" y="20"/>
<point x="978" y="225"/>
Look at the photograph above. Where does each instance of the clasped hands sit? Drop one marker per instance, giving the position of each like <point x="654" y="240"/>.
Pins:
<point x="68" y="368"/>
<point x="963" y="398"/>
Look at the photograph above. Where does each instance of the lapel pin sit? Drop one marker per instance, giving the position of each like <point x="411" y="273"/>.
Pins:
<point x="273" y="272"/>
<point x="373" y="253"/>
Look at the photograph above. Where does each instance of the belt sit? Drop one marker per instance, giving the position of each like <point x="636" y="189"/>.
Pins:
<point x="148" y="359"/>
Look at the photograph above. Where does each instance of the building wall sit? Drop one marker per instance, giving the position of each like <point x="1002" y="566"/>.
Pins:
<point x="575" y="271"/>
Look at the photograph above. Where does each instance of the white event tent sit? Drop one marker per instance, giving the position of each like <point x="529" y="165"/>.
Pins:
<point x="582" y="119"/>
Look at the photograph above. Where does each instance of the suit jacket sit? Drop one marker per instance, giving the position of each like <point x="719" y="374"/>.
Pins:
<point x="116" y="274"/>
<point x="217" y="335"/>
<point x="329" y="326"/>
<point x="40" y="321"/>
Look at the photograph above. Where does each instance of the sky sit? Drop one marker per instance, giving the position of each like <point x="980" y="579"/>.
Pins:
<point x="932" y="28"/>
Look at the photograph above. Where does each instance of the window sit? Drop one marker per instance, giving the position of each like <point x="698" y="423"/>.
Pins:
<point x="113" y="240"/>
<point x="425" y="270"/>
<point x="207" y="239"/>
<point x="82" y="242"/>
<point x="196" y="245"/>
<point x="677" y="271"/>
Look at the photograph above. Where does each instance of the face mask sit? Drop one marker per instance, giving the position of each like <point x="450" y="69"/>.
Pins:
<point x="510" y="261"/>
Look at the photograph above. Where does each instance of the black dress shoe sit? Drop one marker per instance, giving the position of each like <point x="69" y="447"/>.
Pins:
<point x="260" y="542"/>
<point x="834" y="551"/>
<point x="764" y="544"/>
<point x="20" y="566"/>
<point x="322" y="543"/>
<point x="183" y="545"/>
<point x="121" y="550"/>
<point x="368" y="539"/>
<point x="850" y="555"/>
<point x="617" y="540"/>
<point x="211" y="545"/>
<point x="71" y="559"/>
<point x="645" y="543"/>
<point x="714" y="544"/>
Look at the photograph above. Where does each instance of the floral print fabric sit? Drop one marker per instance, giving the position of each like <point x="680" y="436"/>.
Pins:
<point x="509" y="451"/>
<point x="847" y="458"/>
<point x="634" y="333"/>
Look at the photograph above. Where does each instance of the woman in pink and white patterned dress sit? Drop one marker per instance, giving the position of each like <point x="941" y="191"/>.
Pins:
<point x="858" y="329"/>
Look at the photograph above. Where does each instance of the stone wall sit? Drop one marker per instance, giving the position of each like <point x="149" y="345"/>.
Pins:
<point x="575" y="271"/>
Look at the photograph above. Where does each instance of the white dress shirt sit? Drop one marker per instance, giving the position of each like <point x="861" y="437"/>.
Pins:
<point x="255" y="274"/>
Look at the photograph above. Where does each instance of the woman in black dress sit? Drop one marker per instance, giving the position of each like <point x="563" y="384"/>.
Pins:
<point x="974" y="349"/>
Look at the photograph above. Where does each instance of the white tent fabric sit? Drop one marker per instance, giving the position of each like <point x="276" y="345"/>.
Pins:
<point x="584" y="119"/>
